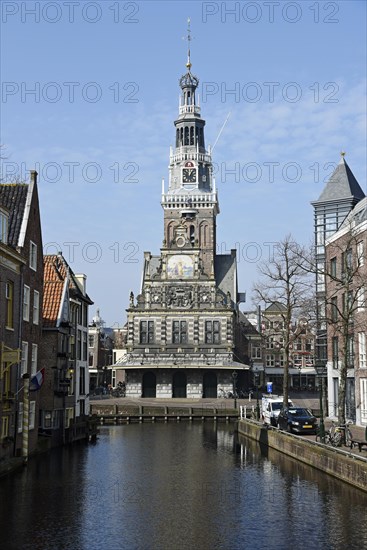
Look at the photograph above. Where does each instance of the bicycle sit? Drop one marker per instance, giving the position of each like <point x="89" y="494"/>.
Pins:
<point x="337" y="435"/>
<point x="226" y="394"/>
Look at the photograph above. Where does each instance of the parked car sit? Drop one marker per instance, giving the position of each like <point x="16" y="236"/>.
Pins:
<point x="298" y="420"/>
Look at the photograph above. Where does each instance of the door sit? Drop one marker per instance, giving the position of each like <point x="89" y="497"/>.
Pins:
<point x="149" y="384"/>
<point x="179" y="383"/>
<point x="210" y="384"/>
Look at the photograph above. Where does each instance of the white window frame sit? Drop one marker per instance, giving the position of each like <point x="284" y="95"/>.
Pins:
<point x="4" y="225"/>
<point x="4" y="427"/>
<point x="34" y="359"/>
<point x="9" y="299"/>
<point x="26" y="302"/>
<point x="24" y="359"/>
<point x="256" y="351"/>
<point x="33" y="255"/>
<point x="32" y="415"/>
<point x="363" y="394"/>
<point x="36" y="307"/>
<point x="360" y="253"/>
<point x="361" y="304"/>
<point x="362" y="356"/>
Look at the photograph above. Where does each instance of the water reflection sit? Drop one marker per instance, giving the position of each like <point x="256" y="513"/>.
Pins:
<point x="173" y="486"/>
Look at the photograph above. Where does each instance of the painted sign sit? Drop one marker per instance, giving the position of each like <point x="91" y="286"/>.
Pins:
<point x="180" y="266"/>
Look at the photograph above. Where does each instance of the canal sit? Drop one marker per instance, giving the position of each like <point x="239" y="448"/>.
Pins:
<point x="176" y="486"/>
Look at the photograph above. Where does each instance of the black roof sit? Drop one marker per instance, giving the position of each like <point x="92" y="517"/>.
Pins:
<point x="13" y="197"/>
<point x="341" y="185"/>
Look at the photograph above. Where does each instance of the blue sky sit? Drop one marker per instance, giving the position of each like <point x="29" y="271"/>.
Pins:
<point x="99" y="122"/>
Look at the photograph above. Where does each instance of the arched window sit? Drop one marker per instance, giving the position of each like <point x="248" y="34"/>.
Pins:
<point x="170" y="233"/>
<point x="192" y="141"/>
<point x="192" y="234"/>
<point x="204" y="234"/>
<point x="186" y="135"/>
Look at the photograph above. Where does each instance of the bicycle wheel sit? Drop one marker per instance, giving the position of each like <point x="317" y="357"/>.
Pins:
<point x="337" y="439"/>
<point x="327" y="438"/>
<point x="348" y="437"/>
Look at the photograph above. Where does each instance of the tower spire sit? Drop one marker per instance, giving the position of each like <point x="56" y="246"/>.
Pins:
<point x="189" y="38"/>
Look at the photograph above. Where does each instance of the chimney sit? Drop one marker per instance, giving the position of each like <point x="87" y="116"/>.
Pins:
<point x="34" y="175"/>
<point x="82" y="280"/>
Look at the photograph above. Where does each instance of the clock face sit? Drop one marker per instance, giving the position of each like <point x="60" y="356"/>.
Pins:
<point x="189" y="175"/>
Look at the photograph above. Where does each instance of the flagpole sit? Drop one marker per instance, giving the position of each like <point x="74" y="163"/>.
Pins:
<point x="25" y="426"/>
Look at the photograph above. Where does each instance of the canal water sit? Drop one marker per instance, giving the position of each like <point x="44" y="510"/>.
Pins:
<point x="176" y="486"/>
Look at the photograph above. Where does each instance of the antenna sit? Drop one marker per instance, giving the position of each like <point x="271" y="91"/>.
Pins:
<point x="221" y="130"/>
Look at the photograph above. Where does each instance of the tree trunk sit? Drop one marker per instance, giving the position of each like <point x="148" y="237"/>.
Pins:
<point x="285" y="383"/>
<point x="343" y="383"/>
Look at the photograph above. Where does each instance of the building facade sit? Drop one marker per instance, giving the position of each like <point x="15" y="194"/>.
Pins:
<point x="11" y="292"/>
<point x="268" y="353"/>
<point x="64" y="396"/>
<point x="184" y="337"/>
<point x="341" y="193"/>
<point x="22" y="329"/>
<point x="100" y="345"/>
<point x="346" y="308"/>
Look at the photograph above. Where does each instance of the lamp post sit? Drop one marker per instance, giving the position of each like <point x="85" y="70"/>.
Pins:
<point x="234" y="378"/>
<point x="257" y="376"/>
<point x="321" y="370"/>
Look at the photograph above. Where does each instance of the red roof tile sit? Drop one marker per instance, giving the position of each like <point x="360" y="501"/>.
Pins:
<point x="54" y="276"/>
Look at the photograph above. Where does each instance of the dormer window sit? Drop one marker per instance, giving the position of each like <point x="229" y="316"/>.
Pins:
<point x="4" y="227"/>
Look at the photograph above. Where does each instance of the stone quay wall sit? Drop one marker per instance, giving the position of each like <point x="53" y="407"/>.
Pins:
<point x="336" y="462"/>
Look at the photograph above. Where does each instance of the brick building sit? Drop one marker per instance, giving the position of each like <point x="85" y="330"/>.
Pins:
<point x="346" y="312"/>
<point x="64" y="398"/>
<point x="21" y="322"/>
<point x="268" y="354"/>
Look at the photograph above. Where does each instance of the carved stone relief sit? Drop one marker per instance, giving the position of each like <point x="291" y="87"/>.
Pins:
<point x="179" y="297"/>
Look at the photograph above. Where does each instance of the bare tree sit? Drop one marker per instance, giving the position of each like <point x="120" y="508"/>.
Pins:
<point x="6" y="178"/>
<point x="284" y="281"/>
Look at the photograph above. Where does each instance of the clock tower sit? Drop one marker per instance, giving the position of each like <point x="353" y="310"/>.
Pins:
<point x="190" y="204"/>
<point x="184" y="331"/>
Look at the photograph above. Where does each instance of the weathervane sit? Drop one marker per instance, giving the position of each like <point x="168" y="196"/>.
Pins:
<point x="343" y="153"/>
<point x="188" y="38"/>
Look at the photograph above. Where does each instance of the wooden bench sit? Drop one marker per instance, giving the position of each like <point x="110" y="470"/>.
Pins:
<point x="358" y="442"/>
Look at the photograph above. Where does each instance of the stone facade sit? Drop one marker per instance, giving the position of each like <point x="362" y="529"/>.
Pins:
<point x="184" y="337"/>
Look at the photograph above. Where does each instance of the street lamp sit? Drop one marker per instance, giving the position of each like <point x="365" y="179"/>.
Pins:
<point x="257" y="377"/>
<point x="321" y="370"/>
<point x="234" y="378"/>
